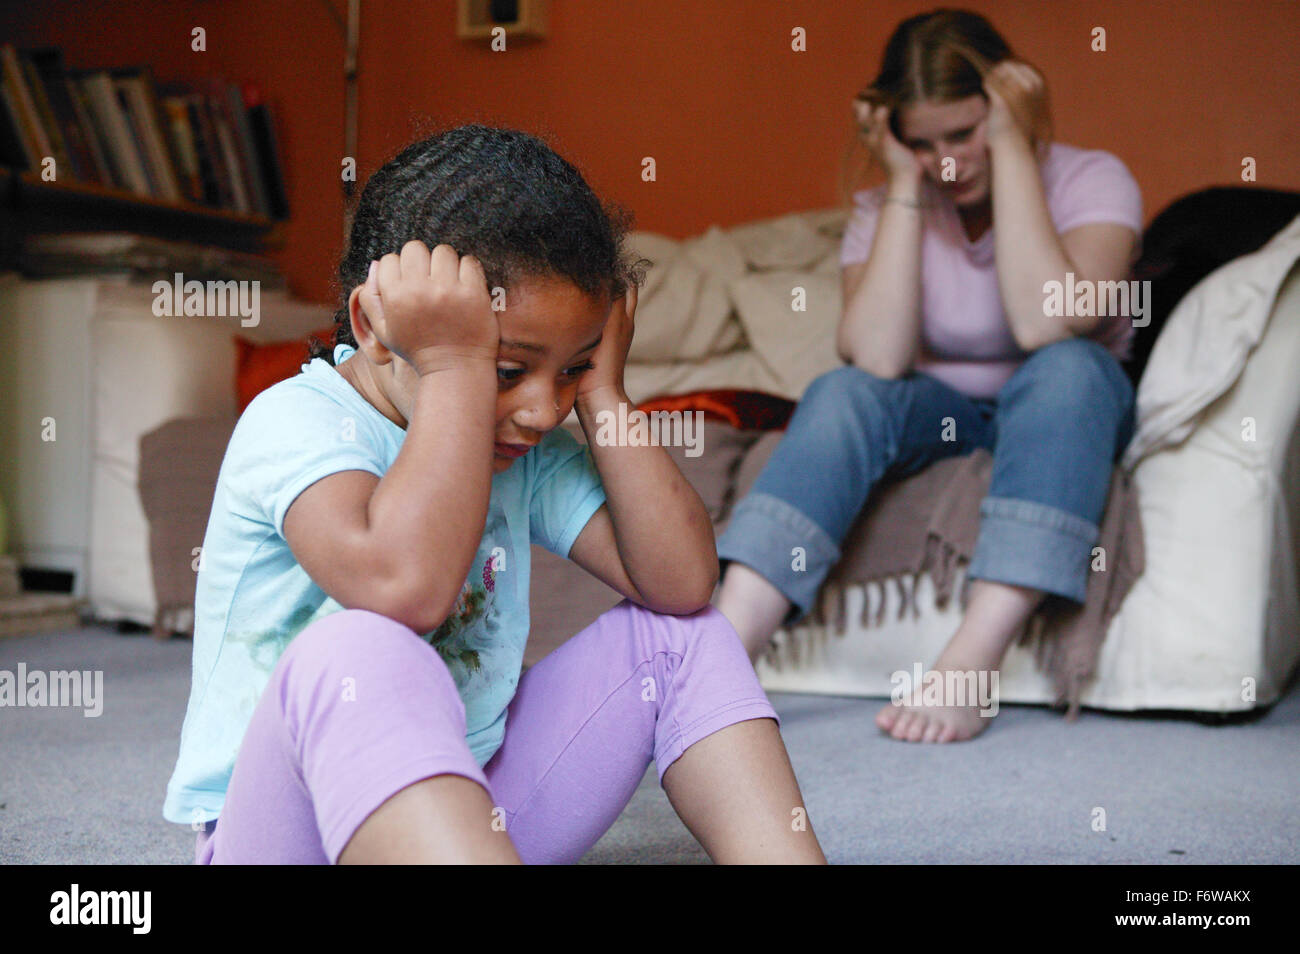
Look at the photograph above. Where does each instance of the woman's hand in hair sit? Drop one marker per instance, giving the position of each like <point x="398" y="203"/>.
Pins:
<point x="1017" y="102"/>
<point x="873" y="122"/>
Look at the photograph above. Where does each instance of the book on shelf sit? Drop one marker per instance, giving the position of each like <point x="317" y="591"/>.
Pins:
<point x="51" y="80"/>
<point x="36" y="144"/>
<point x="211" y="144"/>
<point x="140" y="103"/>
<point x="45" y="115"/>
<point x="231" y="164"/>
<point x="261" y="120"/>
<point x="183" y="147"/>
<point x="15" y="148"/>
<point x="113" y="123"/>
<point x="94" y="137"/>
<point x="216" y="188"/>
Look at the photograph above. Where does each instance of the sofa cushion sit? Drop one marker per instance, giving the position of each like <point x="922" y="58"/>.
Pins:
<point x="797" y="346"/>
<point x="683" y="312"/>
<point x="260" y="365"/>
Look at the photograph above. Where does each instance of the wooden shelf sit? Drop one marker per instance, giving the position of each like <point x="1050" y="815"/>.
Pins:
<point x="38" y="206"/>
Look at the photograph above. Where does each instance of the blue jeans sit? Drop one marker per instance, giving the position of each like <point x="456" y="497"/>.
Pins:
<point x="1055" y="430"/>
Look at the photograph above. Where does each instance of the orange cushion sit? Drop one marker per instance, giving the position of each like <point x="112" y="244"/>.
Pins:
<point x="744" y="410"/>
<point x="258" y="366"/>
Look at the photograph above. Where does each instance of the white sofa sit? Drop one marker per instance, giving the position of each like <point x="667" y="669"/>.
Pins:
<point x="1213" y="624"/>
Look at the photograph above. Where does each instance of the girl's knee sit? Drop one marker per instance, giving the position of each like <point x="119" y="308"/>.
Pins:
<point x="706" y="628"/>
<point x="347" y="630"/>
<point x="354" y="639"/>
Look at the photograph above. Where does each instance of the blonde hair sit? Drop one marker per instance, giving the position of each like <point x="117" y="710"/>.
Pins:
<point x="943" y="56"/>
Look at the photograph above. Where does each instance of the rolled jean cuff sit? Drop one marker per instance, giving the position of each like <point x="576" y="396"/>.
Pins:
<point x="766" y="534"/>
<point x="1033" y="545"/>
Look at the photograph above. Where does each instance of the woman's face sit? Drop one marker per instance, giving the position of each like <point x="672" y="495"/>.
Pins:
<point x="954" y="129"/>
<point x="549" y="331"/>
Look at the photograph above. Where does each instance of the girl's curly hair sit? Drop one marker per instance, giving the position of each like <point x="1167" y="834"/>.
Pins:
<point x="500" y="195"/>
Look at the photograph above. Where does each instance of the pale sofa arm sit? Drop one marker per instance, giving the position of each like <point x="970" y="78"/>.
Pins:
<point x="1211" y="624"/>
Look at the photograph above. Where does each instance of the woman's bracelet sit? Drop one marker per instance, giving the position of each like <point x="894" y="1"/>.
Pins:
<point x="910" y="203"/>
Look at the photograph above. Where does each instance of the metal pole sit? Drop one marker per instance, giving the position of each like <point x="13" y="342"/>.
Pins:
<point x="350" y="109"/>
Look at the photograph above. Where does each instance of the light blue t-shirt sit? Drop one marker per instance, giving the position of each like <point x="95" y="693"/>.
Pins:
<point x="252" y="596"/>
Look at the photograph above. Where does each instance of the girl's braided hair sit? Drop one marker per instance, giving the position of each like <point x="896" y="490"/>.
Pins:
<point x="500" y="195"/>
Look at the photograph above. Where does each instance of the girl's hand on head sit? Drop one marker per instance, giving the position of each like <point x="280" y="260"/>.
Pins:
<point x="610" y="357"/>
<point x="431" y="309"/>
<point x="1017" y="102"/>
<point x="873" y="127"/>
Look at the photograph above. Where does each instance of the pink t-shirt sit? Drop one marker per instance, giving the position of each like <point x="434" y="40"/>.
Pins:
<point x="966" y="342"/>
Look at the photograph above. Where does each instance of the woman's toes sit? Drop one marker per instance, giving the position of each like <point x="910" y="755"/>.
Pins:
<point x="901" y="724"/>
<point x="916" y="730"/>
<point x="887" y="716"/>
<point x="933" y="731"/>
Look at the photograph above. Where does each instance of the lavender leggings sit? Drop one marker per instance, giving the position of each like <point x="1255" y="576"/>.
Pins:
<point x="581" y="730"/>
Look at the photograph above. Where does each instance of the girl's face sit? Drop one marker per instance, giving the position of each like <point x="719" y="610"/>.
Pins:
<point x="935" y="131"/>
<point x="549" y="331"/>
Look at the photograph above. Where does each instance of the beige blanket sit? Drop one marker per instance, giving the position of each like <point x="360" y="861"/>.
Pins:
<point x="929" y="522"/>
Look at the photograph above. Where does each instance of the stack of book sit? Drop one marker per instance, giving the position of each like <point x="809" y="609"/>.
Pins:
<point x="145" y="258"/>
<point x="116" y="128"/>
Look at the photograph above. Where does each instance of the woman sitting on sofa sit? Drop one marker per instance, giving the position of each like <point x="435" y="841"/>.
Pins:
<point x="953" y="343"/>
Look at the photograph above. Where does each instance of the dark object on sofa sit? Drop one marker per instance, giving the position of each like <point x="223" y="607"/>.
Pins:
<point x="1192" y="237"/>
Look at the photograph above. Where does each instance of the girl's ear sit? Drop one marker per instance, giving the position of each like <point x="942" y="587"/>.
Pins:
<point x="367" y="341"/>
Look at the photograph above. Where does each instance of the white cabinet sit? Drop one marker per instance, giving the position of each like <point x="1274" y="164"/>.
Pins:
<point x="86" y="362"/>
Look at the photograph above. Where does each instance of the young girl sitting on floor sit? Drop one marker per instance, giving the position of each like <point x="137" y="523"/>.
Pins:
<point x="394" y="490"/>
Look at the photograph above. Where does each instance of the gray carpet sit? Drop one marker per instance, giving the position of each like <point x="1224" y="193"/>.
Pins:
<point x="79" y="790"/>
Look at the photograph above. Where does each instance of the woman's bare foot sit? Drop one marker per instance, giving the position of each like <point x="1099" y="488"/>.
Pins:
<point x="957" y="699"/>
<point x="949" y="705"/>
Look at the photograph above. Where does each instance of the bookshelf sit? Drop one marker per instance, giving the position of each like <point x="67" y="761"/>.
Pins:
<point x="198" y="162"/>
<point x="28" y="205"/>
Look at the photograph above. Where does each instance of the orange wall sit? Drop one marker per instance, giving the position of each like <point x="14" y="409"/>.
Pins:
<point x="740" y="125"/>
